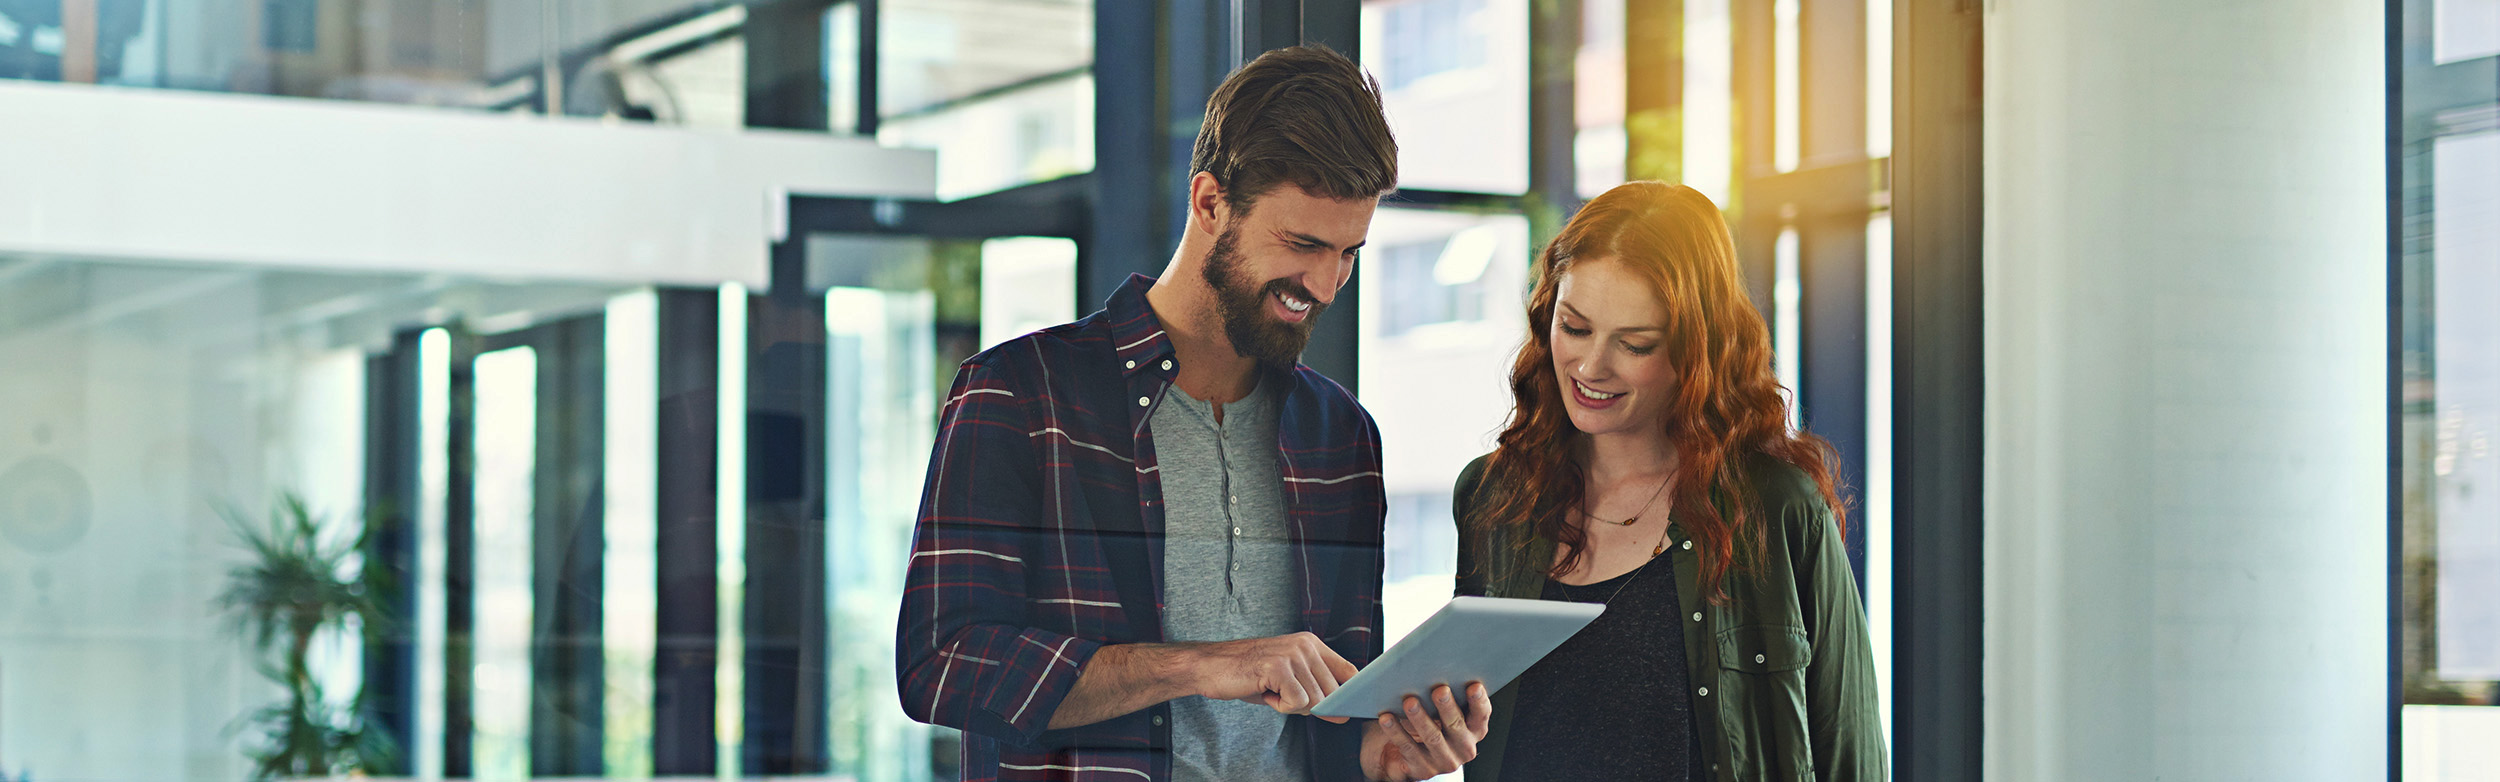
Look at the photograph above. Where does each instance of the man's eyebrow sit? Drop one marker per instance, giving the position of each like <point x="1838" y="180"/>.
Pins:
<point x="1309" y="239"/>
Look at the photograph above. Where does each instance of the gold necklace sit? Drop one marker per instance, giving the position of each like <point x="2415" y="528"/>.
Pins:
<point x="1636" y="515"/>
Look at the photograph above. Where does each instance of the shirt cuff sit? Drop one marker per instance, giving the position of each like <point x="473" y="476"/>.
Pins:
<point x="1039" y="676"/>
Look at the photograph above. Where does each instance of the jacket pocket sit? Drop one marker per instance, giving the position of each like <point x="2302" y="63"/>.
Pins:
<point x="1762" y="706"/>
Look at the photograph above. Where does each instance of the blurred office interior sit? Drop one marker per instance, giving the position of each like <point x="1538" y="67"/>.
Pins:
<point x="588" y="352"/>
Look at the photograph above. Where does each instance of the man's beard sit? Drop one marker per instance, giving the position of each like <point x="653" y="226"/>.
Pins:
<point x="1256" y="334"/>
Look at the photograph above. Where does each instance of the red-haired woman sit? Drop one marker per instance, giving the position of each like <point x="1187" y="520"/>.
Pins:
<point x="1649" y="466"/>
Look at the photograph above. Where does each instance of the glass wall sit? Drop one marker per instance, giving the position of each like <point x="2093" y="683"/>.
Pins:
<point x="1002" y="89"/>
<point x="1449" y="64"/>
<point x="641" y="59"/>
<point x="624" y="528"/>
<point x="2449" y="365"/>
<point x="161" y="416"/>
<point x="1440" y="295"/>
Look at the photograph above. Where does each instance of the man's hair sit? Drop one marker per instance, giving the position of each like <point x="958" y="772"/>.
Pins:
<point x="1305" y="116"/>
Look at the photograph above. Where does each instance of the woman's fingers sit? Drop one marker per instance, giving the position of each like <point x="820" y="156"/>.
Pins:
<point x="1453" y="721"/>
<point x="1436" y="747"/>
<point x="1404" y="738"/>
<point x="1479" y="710"/>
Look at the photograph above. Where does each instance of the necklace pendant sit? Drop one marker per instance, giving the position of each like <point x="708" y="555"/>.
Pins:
<point x="1654" y="551"/>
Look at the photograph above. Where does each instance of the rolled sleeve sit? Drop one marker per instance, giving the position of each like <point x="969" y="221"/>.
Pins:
<point x="966" y="657"/>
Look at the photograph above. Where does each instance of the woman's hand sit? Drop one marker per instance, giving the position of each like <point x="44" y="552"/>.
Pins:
<point x="1418" y="746"/>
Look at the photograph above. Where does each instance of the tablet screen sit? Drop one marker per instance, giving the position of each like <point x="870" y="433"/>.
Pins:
<point x="1471" y="639"/>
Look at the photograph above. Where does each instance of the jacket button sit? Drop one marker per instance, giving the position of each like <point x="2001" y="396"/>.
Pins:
<point x="1158" y="719"/>
<point x="1697" y="616"/>
<point x="1688" y="545"/>
<point x="1758" y="658"/>
<point x="1142" y="401"/>
<point x="1705" y="692"/>
<point x="1132" y="365"/>
<point x="1167" y="363"/>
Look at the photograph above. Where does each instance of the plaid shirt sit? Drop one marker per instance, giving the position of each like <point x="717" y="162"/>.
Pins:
<point x="1040" y="540"/>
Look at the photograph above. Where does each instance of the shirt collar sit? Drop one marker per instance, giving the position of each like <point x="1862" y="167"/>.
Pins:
<point x="1143" y="347"/>
<point x="1136" y="334"/>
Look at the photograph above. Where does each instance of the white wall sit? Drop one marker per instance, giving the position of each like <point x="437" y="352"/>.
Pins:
<point x="2186" y="357"/>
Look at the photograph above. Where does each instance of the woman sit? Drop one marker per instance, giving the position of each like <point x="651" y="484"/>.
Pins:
<point x="1649" y="465"/>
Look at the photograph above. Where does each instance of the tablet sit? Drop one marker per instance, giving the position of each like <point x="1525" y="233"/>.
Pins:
<point x="1486" y="639"/>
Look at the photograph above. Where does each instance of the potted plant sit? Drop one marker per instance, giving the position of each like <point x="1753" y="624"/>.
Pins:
<point x="295" y="585"/>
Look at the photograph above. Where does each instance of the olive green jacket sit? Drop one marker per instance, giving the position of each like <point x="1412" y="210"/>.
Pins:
<point x="1783" y="677"/>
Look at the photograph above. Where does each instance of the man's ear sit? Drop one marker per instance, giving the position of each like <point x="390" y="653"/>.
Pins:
<point x="1207" y="208"/>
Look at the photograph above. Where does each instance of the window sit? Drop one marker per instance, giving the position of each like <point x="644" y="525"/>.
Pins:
<point x="1446" y="64"/>
<point x="1002" y="89"/>
<point x="1430" y="37"/>
<point x="1441" y="307"/>
<point x="2449" y="566"/>
<point x="1434" y="281"/>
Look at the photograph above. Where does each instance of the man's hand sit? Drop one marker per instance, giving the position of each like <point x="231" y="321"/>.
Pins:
<point x="1417" y="746"/>
<point x="1288" y="673"/>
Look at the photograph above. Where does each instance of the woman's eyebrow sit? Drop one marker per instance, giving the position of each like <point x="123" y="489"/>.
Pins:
<point x="1575" y="312"/>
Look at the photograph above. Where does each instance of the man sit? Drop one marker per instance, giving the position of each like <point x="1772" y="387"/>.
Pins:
<point x="1150" y="540"/>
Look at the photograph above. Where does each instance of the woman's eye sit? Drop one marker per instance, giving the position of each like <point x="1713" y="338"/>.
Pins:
<point x="1641" y="350"/>
<point x="1575" y="332"/>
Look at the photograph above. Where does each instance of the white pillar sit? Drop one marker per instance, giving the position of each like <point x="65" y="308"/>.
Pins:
<point x="2186" y="298"/>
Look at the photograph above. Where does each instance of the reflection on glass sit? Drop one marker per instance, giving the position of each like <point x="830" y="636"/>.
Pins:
<point x="326" y="444"/>
<point x="1037" y="132"/>
<point x="1602" y="145"/>
<point x="933" y="53"/>
<point x="881" y="416"/>
<point x="1878" y="78"/>
<point x="1786" y="94"/>
<point x="630" y="59"/>
<point x="1710" y="99"/>
<point x="2466" y="388"/>
<point x="140" y="397"/>
<point x="842" y="67"/>
<point x="433" y="547"/>
<point x="730" y="533"/>
<point x="1877" y="499"/>
<point x="1028" y="283"/>
<point x="1787" y="307"/>
<point x="1441" y="321"/>
<point x="2464" y="30"/>
<point x="505" y="466"/>
<point x="1453" y="63"/>
<point x="629" y="592"/>
<point x="2449" y="656"/>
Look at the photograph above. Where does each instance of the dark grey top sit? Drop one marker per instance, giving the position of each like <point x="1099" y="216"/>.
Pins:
<point x="1615" y="701"/>
<point x="1228" y="574"/>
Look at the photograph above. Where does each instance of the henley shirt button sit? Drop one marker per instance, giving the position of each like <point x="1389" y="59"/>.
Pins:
<point x="1697" y="616"/>
<point x="1167" y="363"/>
<point x="1142" y="402"/>
<point x="1158" y="719"/>
<point x="1132" y="365"/>
<point x="1758" y="658"/>
<point x="1688" y="545"/>
<point x="1705" y="692"/>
